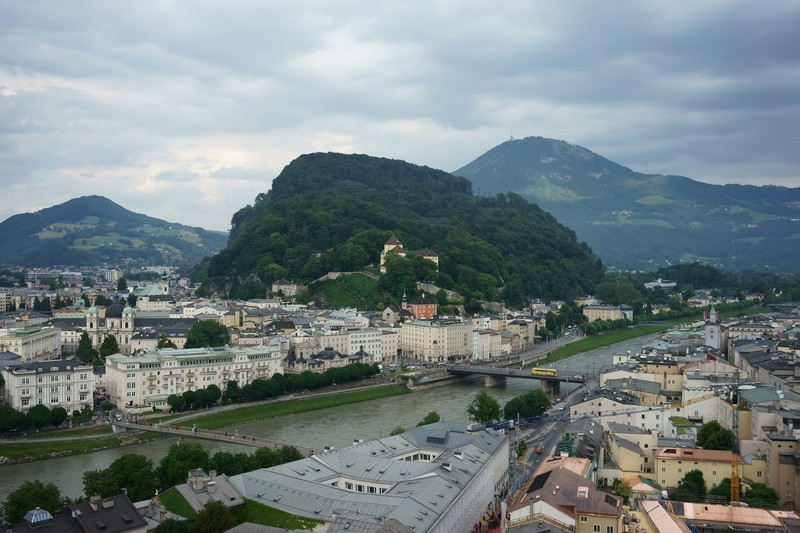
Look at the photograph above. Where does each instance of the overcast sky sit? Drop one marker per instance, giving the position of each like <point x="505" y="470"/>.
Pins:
<point x="185" y="110"/>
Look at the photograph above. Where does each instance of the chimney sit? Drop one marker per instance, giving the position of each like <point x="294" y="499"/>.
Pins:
<point x="108" y="503"/>
<point x="212" y="487"/>
<point x="124" y="491"/>
<point x="212" y="474"/>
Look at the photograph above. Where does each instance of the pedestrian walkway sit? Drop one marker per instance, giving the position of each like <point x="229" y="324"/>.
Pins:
<point x="209" y="434"/>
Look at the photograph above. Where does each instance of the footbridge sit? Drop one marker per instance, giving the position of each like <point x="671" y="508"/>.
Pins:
<point x="206" y="434"/>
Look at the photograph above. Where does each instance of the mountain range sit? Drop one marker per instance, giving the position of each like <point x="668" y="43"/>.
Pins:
<point x="642" y="221"/>
<point x="93" y="230"/>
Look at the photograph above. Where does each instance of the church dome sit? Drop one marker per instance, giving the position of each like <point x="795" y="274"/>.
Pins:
<point x="114" y="311"/>
<point x="92" y="310"/>
<point x="128" y="310"/>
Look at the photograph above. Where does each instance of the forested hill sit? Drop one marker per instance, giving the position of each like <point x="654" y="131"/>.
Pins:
<point x="334" y="212"/>
<point x="641" y="221"/>
<point x="91" y="230"/>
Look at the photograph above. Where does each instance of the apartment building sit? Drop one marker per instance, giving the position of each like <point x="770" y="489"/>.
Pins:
<point x="32" y="343"/>
<point x="57" y="383"/>
<point x="435" y="341"/>
<point x="672" y="464"/>
<point x="147" y="380"/>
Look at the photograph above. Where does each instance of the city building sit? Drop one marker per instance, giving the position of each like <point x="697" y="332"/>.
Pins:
<point x="146" y="380"/>
<point x="431" y="479"/>
<point x="436" y="341"/>
<point x="115" y="514"/>
<point x="32" y="343"/>
<point x="672" y="464"/>
<point x="57" y="383"/>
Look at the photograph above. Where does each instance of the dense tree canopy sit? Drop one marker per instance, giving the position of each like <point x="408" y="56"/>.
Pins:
<point x="692" y="487"/>
<point x="133" y="472"/>
<point x="712" y="436"/>
<point x="28" y="496"/>
<point x="531" y="404"/>
<point x="207" y="333"/>
<point x="333" y="212"/>
<point x="483" y="408"/>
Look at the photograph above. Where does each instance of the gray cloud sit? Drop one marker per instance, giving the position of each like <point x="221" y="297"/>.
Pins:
<point x="144" y="101"/>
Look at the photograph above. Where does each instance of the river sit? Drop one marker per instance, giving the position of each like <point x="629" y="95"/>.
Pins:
<point x="336" y="426"/>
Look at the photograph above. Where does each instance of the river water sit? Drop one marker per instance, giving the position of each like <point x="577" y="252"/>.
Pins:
<point x="336" y="426"/>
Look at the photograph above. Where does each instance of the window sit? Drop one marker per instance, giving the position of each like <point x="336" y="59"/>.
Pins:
<point x="348" y="485"/>
<point x="26" y="392"/>
<point x="584" y="519"/>
<point x="25" y="402"/>
<point x="758" y="474"/>
<point x="609" y="529"/>
<point x="596" y="528"/>
<point x="54" y="399"/>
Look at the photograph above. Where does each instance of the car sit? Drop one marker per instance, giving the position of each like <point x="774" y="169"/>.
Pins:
<point x="539" y="450"/>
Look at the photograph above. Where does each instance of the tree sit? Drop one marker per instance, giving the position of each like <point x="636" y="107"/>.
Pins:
<point x="9" y="417"/>
<point x="712" y="436"/>
<point x="692" y="487"/>
<point x="207" y="333"/>
<point x="122" y="285"/>
<point x="430" y="418"/>
<point x="109" y="346"/>
<point x="623" y="489"/>
<point x="85" y="351"/>
<point x="171" y="525"/>
<point x="182" y="457"/>
<point x="522" y="448"/>
<point x="214" y="517"/>
<point x="762" y="495"/>
<point x="483" y="408"/>
<point x="232" y="392"/>
<point x="165" y="342"/>
<point x="106" y="406"/>
<point x="131" y="471"/>
<point x="397" y="430"/>
<point x="38" y="416"/>
<point x="30" y="495"/>
<point x="132" y="300"/>
<point x="531" y="404"/>
<point x="58" y="416"/>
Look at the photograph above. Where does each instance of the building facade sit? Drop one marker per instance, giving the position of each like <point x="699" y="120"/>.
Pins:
<point x="147" y="380"/>
<point x="32" y="343"/>
<point x="57" y="383"/>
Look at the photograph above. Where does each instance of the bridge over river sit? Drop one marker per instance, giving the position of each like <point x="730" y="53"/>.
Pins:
<point x="514" y="373"/>
<point x="207" y="434"/>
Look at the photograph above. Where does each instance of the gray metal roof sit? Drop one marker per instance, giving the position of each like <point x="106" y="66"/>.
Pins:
<point x="418" y="492"/>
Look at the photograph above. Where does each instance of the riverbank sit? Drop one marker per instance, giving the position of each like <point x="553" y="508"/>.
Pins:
<point x="34" y="448"/>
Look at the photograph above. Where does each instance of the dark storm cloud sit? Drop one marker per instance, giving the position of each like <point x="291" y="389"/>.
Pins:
<point x="142" y="101"/>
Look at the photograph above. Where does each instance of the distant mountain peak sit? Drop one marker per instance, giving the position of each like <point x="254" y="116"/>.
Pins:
<point x="93" y="229"/>
<point x="635" y="220"/>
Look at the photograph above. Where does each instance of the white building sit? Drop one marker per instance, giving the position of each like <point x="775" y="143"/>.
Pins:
<point x="433" y="341"/>
<point x="431" y="479"/>
<point x="146" y="380"/>
<point x="59" y="383"/>
<point x="32" y="343"/>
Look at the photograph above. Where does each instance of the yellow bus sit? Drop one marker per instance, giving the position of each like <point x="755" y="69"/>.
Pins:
<point x="544" y="372"/>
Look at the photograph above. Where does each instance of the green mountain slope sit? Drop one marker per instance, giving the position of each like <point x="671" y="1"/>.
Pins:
<point x="92" y="230"/>
<point x="333" y="212"/>
<point x="640" y="221"/>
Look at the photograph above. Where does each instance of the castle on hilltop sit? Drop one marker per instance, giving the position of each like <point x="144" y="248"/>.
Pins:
<point x="393" y="245"/>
